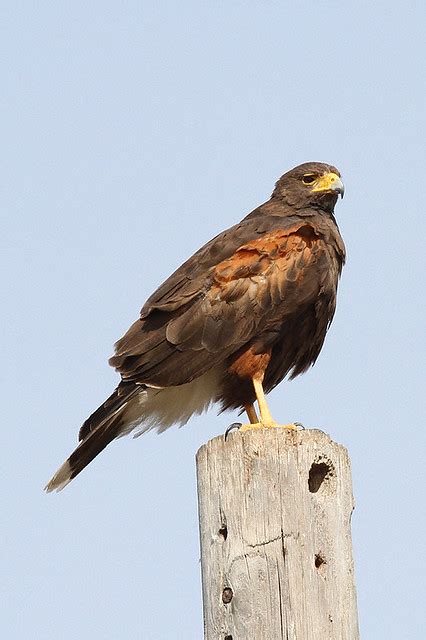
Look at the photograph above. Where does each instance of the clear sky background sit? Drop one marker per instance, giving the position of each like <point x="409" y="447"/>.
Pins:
<point x="132" y="132"/>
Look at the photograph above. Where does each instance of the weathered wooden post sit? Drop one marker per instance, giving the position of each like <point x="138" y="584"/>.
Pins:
<point x="275" y="509"/>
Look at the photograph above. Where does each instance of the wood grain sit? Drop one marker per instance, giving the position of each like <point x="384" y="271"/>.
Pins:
<point x="275" y="509"/>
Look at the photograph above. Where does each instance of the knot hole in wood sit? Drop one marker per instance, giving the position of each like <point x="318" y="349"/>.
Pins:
<point x="322" y="475"/>
<point x="223" y="531"/>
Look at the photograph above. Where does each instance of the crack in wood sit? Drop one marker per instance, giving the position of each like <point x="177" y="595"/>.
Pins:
<point x="282" y="536"/>
<point x="280" y="602"/>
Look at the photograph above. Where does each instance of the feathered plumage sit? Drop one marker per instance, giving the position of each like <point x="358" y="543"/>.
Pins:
<point x="257" y="299"/>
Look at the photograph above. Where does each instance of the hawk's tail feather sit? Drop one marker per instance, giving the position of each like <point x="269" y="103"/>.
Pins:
<point x="101" y="428"/>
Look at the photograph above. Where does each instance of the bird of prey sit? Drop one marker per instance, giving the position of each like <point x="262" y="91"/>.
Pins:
<point x="250" y="307"/>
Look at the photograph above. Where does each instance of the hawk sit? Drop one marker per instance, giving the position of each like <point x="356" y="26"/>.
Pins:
<point x="251" y="307"/>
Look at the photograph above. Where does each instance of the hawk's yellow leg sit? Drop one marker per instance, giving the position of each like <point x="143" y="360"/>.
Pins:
<point x="266" y="420"/>
<point x="251" y="413"/>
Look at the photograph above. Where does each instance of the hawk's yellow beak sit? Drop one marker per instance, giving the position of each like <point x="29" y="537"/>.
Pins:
<point x="329" y="182"/>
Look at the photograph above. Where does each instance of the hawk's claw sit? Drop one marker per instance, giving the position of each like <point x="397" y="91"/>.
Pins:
<point x="234" y="425"/>
<point x="238" y="425"/>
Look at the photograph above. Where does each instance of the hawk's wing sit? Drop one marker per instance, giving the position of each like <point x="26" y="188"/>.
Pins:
<point x="236" y="287"/>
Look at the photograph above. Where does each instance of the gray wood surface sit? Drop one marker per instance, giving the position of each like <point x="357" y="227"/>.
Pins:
<point x="275" y="509"/>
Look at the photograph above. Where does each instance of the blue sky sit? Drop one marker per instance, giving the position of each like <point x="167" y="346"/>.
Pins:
<point x="132" y="133"/>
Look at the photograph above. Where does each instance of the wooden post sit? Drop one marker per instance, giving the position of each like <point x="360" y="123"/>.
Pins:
<point x="276" y="555"/>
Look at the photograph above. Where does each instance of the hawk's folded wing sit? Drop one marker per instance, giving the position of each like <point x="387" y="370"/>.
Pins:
<point x="239" y="285"/>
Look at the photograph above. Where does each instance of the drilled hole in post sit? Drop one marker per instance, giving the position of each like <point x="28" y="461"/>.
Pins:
<point x="227" y="595"/>
<point x="228" y="638"/>
<point x="223" y="531"/>
<point x="317" y="474"/>
<point x="319" y="561"/>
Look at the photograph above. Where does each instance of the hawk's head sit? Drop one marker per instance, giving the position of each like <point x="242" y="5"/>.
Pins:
<point x="310" y="184"/>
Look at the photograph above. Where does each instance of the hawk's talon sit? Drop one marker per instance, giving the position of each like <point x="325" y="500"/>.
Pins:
<point x="234" y="425"/>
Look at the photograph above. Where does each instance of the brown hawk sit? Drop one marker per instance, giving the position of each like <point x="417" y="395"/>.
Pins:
<point x="249" y="308"/>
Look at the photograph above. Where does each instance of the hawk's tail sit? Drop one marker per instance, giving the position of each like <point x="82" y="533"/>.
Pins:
<point x="103" y="426"/>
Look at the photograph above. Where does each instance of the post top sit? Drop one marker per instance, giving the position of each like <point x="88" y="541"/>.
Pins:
<point x="282" y="437"/>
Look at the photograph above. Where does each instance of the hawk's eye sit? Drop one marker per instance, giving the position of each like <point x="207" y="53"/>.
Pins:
<point x="309" y="178"/>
